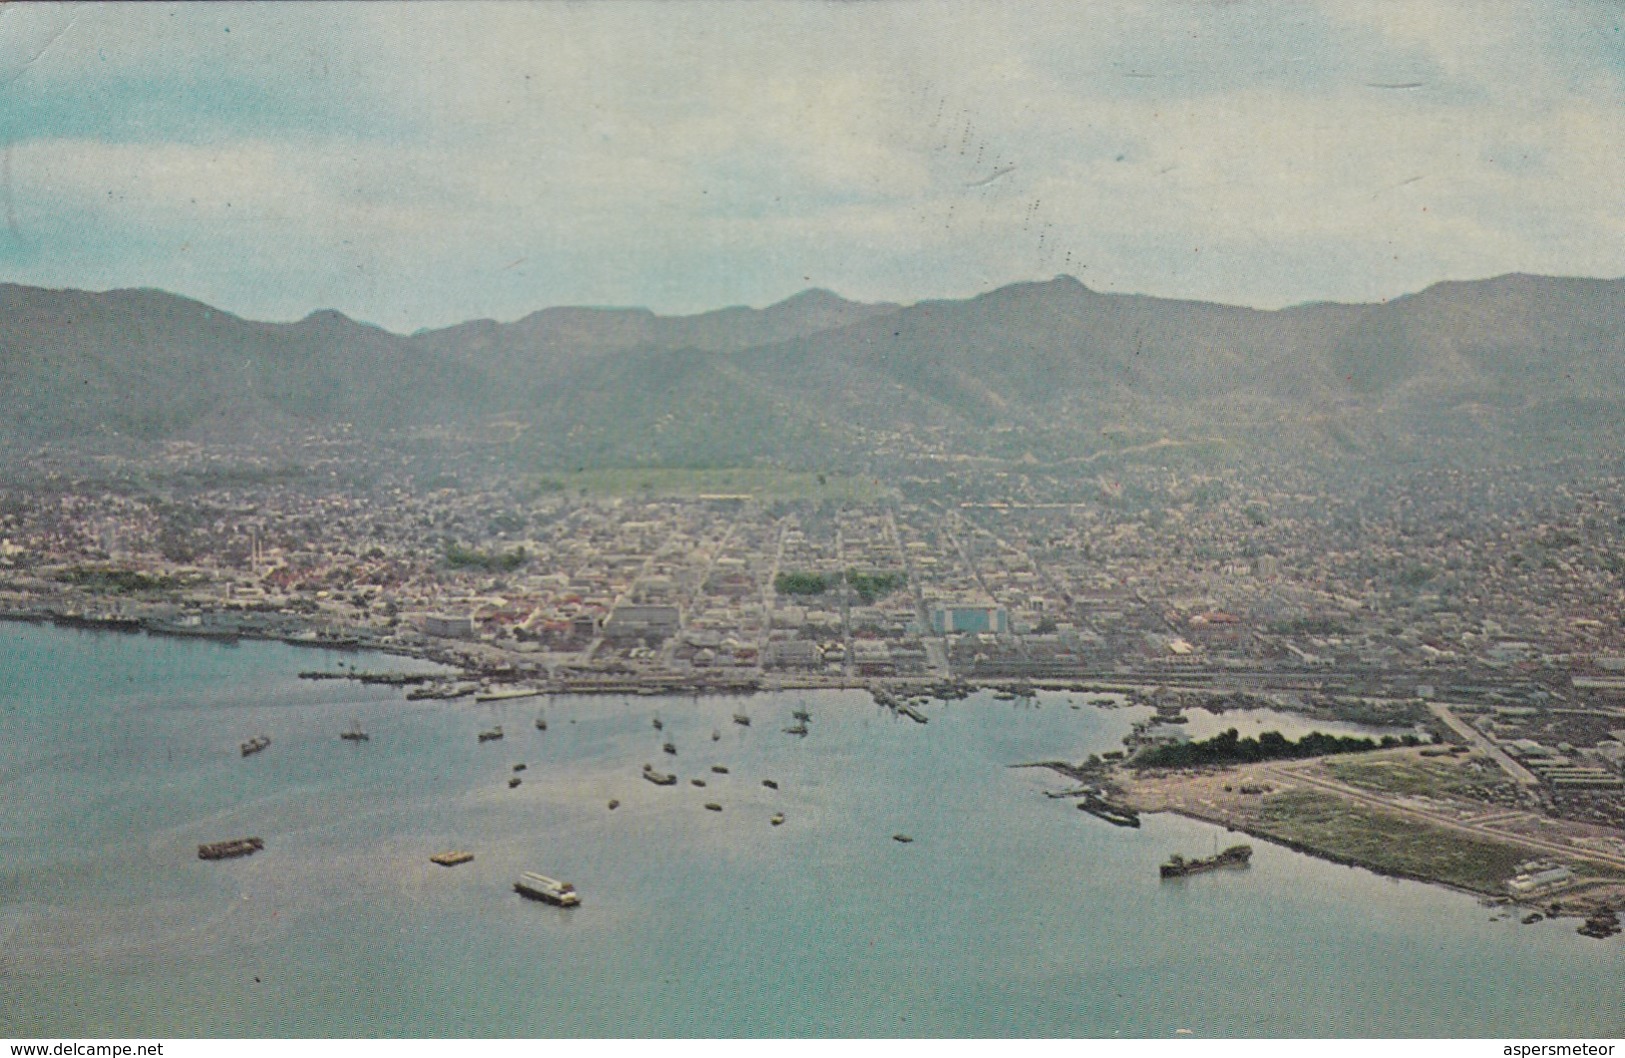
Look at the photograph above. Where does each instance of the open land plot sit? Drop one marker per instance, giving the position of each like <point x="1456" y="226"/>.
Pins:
<point x="757" y="483"/>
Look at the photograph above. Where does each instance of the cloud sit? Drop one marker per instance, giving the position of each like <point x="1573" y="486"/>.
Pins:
<point x="392" y="160"/>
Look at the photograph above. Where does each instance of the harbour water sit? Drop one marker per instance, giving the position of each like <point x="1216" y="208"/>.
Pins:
<point x="1009" y="913"/>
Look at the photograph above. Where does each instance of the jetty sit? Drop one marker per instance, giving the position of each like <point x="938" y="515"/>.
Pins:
<point x="226" y="850"/>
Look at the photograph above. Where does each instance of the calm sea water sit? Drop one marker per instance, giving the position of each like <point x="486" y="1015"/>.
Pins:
<point x="1009" y="914"/>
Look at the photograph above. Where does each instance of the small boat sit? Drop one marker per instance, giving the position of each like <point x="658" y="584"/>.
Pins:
<point x="541" y="887"/>
<point x="513" y="782"/>
<point x="226" y="850"/>
<point x="451" y="859"/>
<point x="355" y="734"/>
<point x="712" y="806"/>
<point x="720" y="769"/>
<point x="777" y="819"/>
<point x="520" y="767"/>
<point x="541" y="723"/>
<point x="901" y="839"/>
<point x="716" y="736"/>
<point x="801" y="713"/>
<point x="771" y="784"/>
<point x="669" y="748"/>
<point x="697" y="782"/>
<point x="659" y="778"/>
<point x="796" y="729"/>
<point x="741" y="719"/>
<point x="255" y="744"/>
<point x="658" y="725"/>
<point x="614" y="804"/>
<point x="491" y="735"/>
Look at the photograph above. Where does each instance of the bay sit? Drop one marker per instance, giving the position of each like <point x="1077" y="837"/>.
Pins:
<point x="1008" y="914"/>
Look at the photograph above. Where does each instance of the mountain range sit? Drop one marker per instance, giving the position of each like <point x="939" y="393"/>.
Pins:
<point x="1514" y="368"/>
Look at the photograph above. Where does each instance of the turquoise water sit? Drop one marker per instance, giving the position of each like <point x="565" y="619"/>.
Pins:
<point x="1009" y="914"/>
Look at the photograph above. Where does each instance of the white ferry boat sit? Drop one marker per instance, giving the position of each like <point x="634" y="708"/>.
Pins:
<point x="541" y="887"/>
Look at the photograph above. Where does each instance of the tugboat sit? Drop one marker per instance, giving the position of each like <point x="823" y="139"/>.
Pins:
<point x="1235" y="856"/>
<point x="541" y="887"/>
<point x="255" y="744"/>
<point x="355" y="734"/>
<point x="491" y="735"/>
<point x="226" y="850"/>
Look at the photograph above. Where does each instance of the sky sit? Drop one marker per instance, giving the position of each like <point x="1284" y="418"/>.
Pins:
<point x="421" y="164"/>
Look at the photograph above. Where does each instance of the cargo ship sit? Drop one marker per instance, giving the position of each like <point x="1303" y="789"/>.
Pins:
<point x="540" y="887"/>
<point x="255" y="744"/>
<point x="1235" y="856"/>
<point x="225" y="850"/>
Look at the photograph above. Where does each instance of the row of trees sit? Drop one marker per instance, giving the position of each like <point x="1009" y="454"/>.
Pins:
<point x="460" y="557"/>
<point x="1231" y="748"/>
<point x="868" y="586"/>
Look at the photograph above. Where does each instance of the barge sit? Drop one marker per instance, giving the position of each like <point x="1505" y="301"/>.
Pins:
<point x="226" y="850"/>
<point x="541" y="887"/>
<point x="1235" y="856"/>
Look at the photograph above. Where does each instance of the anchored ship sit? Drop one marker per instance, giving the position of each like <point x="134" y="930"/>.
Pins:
<point x="541" y="887"/>
<point x="1235" y="856"/>
<point x="225" y="850"/>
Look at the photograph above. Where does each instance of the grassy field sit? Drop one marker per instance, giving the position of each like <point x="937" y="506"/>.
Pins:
<point x="1388" y="843"/>
<point x="1435" y="776"/>
<point x="766" y="484"/>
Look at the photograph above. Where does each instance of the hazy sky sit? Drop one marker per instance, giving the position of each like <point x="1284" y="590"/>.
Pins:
<point x="421" y="164"/>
